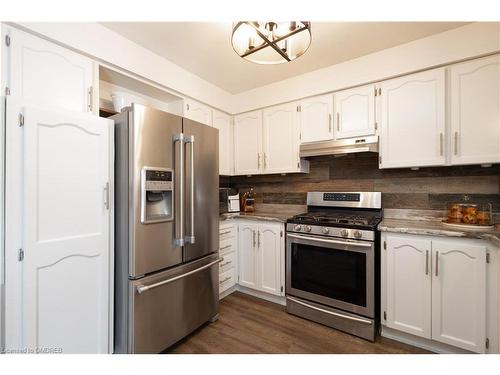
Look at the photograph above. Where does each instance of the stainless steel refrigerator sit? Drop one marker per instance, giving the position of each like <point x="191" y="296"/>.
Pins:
<point x="167" y="225"/>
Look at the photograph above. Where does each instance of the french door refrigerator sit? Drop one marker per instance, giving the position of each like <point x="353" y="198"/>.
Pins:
<point x="166" y="249"/>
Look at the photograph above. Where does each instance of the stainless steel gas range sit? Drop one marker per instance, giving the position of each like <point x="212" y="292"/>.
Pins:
<point x="333" y="261"/>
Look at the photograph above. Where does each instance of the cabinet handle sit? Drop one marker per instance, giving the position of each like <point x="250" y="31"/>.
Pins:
<point x="225" y="264"/>
<point x="225" y="247"/>
<point x="226" y="279"/>
<point x="426" y="262"/>
<point x="265" y="160"/>
<point x="437" y="263"/>
<point x="254" y="239"/>
<point x="258" y="160"/>
<point x="441" y="144"/>
<point x="106" y="195"/>
<point x="456" y="144"/>
<point x="258" y="239"/>
<point x="338" y="122"/>
<point x="90" y="98"/>
<point x="225" y="232"/>
<point x="330" y="122"/>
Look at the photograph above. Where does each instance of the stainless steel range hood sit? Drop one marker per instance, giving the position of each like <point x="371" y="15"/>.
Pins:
<point x="339" y="147"/>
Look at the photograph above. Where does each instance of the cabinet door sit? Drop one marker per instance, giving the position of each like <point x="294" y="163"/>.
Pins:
<point x="408" y="281"/>
<point x="413" y="120"/>
<point x="475" y="111"/>
<point x="248" y="143"/>
<point x="355" y="112"/>
<point x="49" y="74"/>
<point x="247" y="254"/>
<point x="198" y="112"/>
<point x="281" y="139"/>
<point x="316" y="122"/>
<point x="459" y="294"/>
<point x="222" y="121"/>
<point x="269" y="258"/>
<point x="66" y="273"/>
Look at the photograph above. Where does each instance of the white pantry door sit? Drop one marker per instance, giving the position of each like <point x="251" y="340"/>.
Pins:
<point x="66" y="273"/>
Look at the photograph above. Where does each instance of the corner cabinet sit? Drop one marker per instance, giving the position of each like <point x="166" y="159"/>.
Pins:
<point x="223" y="122"/>
<point x="436" y="288"/>
<point x="261" y="256"/>
<point x="475" y="111"/>
<point x="316" y="118"/>
<point x="355" y="112"/>
<point x="248" y="143"/>
<point x="41" y="71"/>
<point x="197" y="112"/>
<point x="412" y="119"/>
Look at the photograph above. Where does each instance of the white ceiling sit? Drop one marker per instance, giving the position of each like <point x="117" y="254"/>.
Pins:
<point x="205" y="48"/>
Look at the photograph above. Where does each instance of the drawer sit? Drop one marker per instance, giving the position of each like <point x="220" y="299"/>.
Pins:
<point x="228" y="262"/>
<point x="227" y="230"/>
<point x="227" y="280"/>
<point x="227" y="245"/>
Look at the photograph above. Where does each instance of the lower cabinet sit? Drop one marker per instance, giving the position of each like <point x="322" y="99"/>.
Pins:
<point x="435" y="288"/>
<point x="261" y="255"/>
<point x="228" y="246"/>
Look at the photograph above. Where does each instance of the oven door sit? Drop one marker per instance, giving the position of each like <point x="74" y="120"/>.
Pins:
<point x="332" y="271"/>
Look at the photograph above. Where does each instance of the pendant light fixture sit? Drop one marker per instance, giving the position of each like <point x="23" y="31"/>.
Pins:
<point x="271" y="42"/>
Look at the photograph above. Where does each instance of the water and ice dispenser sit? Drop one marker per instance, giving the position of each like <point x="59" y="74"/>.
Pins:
<point x="157" y="192"/>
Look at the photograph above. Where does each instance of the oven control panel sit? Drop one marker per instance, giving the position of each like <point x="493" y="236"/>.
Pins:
<point x="353" y="234"/>
<point x="341" y="197"/>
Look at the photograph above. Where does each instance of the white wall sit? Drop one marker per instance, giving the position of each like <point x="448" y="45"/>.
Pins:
<point x="457" y="44"/>
<point x="104" y="45"/>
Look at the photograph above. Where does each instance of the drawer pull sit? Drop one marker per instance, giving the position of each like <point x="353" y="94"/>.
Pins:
<point x="225" y="247"/>
<point x="225" y="264"/>
<point x="225" y="232"/>
<point x="226" y="279"/>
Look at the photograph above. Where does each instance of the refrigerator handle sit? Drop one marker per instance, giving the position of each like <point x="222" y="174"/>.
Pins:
<point x="179" y="222"/>
<point x="191" y="237"/>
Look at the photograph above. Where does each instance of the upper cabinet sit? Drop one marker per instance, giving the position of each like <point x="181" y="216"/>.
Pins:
<point x="49" y="74"/>
<point x="315" y="118"/>
<point x="268" y="142"/>
<point x="197" y="112"/>
<point x="412" y="118"/>
<point x="475" y="111"/>
<point x="281" y="139"/>
<point x="223" y="122"/>
<point x="248" y="143"/>
<point x="355" y="112"/>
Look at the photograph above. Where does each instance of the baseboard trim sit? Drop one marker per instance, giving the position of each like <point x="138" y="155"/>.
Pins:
<point x="419" y="342"/>
<point x="280" y="300"/>
<point x="227" y="292"/>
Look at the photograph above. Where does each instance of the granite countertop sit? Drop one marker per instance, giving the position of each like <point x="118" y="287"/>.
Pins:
<point x="435" y="228"/>
<point x="280" y="217"/>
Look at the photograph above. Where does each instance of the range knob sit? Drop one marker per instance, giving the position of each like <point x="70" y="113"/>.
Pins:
<point x="344" y="233"/>
<point x="325" y="230"/>
<point x="307" y="228"/>
<point x="297" y="227"/>
<point x="357" y="234"/>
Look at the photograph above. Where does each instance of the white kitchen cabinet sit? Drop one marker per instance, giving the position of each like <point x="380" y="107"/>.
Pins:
<point x="355" y="112"/>
<point x="412" y="119"/>
<point x="459" y="294"/>
<point x="281" y="139"/>
<point x="436" y="288"/>
<point x="247" y="253"/>
<point x="316" y="118"/>
<point x="248" y="143"/>
<point x="475" y="111"/>
<point x="261" y="256"/>
<point x="223" y="122"/>
<point x="408" y="279"/>
<point x="49" y="74"/>
<point x="228" y="245"/>
<point x="59" y="244"/>
<point x="197" y="112"/>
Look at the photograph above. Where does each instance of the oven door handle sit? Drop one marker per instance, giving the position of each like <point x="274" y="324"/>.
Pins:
<point x="318" y="239"/>
<point x="361" y="320"/>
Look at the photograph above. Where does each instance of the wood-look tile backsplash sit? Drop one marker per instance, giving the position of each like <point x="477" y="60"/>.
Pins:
<point x="426" y="188"/>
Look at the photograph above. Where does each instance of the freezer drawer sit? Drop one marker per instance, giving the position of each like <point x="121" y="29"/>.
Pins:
<point x="169" y="305"/>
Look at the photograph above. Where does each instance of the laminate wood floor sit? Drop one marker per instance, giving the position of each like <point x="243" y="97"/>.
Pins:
<point x="251" y="325"/>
